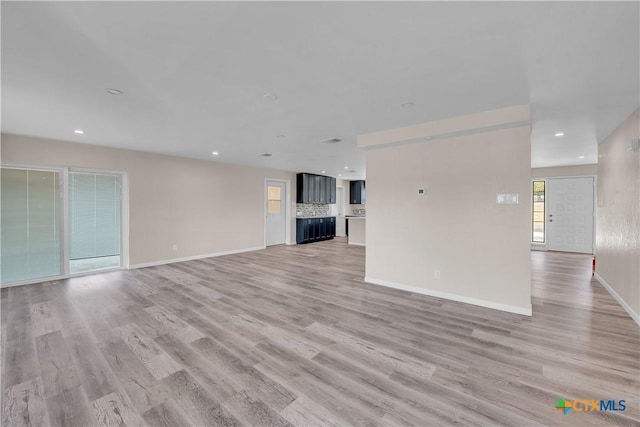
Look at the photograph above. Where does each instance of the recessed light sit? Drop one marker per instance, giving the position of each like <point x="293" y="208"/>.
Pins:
<point x="346" y="168"/>
<point x="265" y="155"/>
<point x="78" y="131"/>
<point x="407" y="104"/>
<point x="215" y="153"/>
<point x="559" y="133"/>
<point x="428" y="138"/>
<point x="339" y="174"/>
<point x="324" y="171"/>
<point x="581" y="157"/>
<point x="270" y="97"/>
<point x="114" y="92"/>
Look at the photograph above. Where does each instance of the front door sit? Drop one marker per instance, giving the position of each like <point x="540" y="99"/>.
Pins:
<point x="276" y="222"/>
<point x="570" y="214"/>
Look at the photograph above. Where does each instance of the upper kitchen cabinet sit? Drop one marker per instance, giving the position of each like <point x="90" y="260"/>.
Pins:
<point x="313" y="188"/>
<point x="357" y="193"/>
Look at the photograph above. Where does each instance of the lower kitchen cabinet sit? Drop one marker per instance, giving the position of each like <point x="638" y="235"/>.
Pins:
<point x="315" y="229"/>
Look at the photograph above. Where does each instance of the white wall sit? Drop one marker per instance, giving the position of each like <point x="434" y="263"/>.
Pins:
<point x="204" y="207"/>
<point x="618" y="215"/>
<point x="348" y="208"/>
<point x="556" y="171"/>
<point x="481" y="248"/>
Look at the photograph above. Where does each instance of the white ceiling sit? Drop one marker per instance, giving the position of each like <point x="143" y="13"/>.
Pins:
<point x="194" y="74"/>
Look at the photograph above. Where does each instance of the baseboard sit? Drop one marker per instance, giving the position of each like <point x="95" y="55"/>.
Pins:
<point x="618" y="298"/>
<point x="192" y="258"/>
<point x="356" y="244"/>
<point x="453" y="297"/>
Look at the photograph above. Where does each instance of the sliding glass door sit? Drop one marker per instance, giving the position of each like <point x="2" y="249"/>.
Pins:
<point x="45" y="211"/>
<point x="94" y="221"/>
<point x="30" y="224"/>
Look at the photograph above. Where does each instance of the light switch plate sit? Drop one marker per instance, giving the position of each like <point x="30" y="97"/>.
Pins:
<point x="507" y="199"/>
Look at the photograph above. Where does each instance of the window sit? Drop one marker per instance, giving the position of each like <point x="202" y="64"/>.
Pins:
<point x="273" y="199"/>
<point x="538" y="212"/>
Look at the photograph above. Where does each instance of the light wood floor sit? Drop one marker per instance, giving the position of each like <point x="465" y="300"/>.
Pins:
<point x="292" y="335"/>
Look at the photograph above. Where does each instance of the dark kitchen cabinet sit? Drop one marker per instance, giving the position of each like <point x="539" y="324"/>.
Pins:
<point x="306" y="189"/>
<point x="332" y="227"/>
<point x="357" y="193"/>
<point x="332" y="191"/>
<point x="321" y="186"/>
<point x="324" y="228"/>
<point x="313" y="188"/>
<point x="315" y="229"/>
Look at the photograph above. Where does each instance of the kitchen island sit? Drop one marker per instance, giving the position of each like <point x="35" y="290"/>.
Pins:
<point x="357" y="235"/>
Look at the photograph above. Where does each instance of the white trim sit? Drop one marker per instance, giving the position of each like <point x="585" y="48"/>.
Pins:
<point x="124" y="220"/>
<point x="614" y="294"/>
<point x="356" y="244"/>
<point x="64" y="225"/>
<point x="453" y="297"/>
<point x="194" y="257"/>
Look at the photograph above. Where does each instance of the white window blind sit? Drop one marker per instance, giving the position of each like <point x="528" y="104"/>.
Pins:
<point x="30" y="224"/>
<point x="94" y="215"/>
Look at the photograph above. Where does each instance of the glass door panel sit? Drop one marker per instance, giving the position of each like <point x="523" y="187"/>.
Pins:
<point x="94" y="221"/>
<point x="30" y="224"/>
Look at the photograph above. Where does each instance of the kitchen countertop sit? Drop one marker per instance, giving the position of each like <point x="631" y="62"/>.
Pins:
<point x="356" y="217"/>
<point x="316" y="216"/>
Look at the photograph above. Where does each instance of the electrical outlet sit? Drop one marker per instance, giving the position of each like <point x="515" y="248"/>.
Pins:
<point x="175" y="247"/>
<point x="437" y="274"/>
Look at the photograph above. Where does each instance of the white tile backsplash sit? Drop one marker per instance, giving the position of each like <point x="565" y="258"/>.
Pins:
<point x="312" y="209"/>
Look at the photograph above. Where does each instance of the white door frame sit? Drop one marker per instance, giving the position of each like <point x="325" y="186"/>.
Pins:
<point x="64" y="220"/>
<point x="287" y="210"/>
<point x="124" y="217"/>
<point x="342" y="218"/>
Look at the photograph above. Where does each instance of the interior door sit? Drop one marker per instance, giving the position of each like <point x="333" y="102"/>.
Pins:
<point x="340" y="219"/>
<point x="570" y="214"/>
<point x="276" y="222"/>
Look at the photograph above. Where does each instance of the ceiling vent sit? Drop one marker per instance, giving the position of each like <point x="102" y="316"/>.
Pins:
<point x="331" y="141"/>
